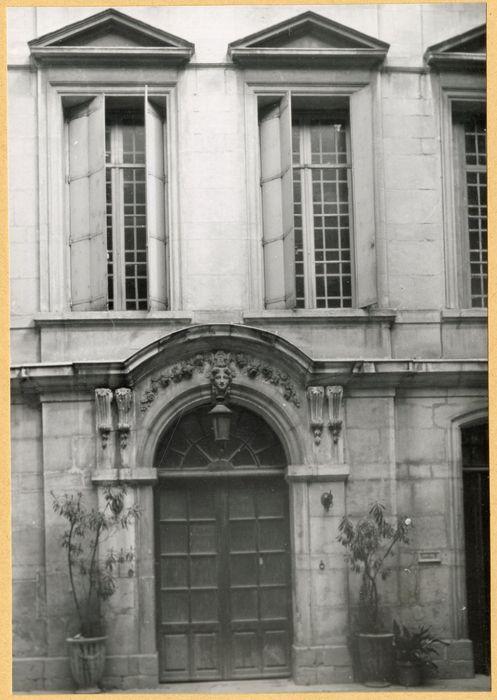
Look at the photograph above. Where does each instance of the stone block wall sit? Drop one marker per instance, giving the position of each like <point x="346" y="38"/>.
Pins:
<point x="28" y="537"/>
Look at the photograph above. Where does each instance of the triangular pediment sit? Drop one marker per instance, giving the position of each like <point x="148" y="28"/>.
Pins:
<point x="465" y="51"/>
<point x="308" y="39"/>
<point x="110" y="35"/>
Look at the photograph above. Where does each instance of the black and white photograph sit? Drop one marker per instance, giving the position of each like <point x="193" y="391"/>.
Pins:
<point x="248" y="347"/>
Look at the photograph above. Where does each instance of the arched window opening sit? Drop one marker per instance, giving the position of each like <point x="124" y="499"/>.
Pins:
<point x="189" y="444"/>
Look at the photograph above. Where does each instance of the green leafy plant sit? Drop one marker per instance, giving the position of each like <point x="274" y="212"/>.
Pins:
<point x="369" y="544"/>
<point x="416" y="647"/>
<point x="93" y="577"/>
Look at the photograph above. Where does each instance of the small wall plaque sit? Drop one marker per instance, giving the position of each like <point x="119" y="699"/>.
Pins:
<point x="429" y="558"/>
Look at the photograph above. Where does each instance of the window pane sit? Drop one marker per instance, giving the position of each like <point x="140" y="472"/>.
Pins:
<point x="321" y="193"/>
<point x="126" y="224"/>
<point x="476" y="194"/>
<point x="332" y="184"/>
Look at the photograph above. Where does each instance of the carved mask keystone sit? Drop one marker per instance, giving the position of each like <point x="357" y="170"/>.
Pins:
<point x="221" y="376"/>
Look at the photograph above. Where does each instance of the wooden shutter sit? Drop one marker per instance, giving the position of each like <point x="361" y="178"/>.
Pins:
<point x="287" y="200"/>
<point x="156" y="206"/>
<point x="361" y="126"/>
<point x="86" y="178"/>
<point x="277" y="205"/>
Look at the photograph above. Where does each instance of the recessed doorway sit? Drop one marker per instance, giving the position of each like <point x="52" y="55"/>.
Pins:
<point x="222" y="551"/>
<point x="477" y="541"/>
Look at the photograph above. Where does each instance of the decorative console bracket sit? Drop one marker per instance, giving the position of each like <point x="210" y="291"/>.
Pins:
<point x="124" y="401"/>
<point x="334" y="394"/>
<point x="315" y="394"/>
<point x="103" y="399"/>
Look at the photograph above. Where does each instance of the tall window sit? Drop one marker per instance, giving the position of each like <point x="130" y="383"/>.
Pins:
<point x="321" y="177"/>
<point x="471" y="198"/>
<point x="126" y="207"/>
<point x="317" y="197"/>
<point x="117" y="198"/>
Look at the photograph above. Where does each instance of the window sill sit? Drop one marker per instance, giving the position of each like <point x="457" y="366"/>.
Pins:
<point x="320" y="316"/>
<point x="122" y="318"/>
<point x="464" y="316"/>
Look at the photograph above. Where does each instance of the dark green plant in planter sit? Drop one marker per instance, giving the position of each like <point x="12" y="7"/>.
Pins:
<point x="92" y="573"/>
<point x="369" y="544"/>
<point x="413" y="653"/>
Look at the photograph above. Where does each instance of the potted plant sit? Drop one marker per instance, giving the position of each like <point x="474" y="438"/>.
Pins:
<point x="369" y="543"/>
<point x="92" y="574"/>
<point x="413" y="653"/>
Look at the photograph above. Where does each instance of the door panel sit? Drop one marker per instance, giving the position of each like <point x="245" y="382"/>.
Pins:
<point x="224" y="577"/>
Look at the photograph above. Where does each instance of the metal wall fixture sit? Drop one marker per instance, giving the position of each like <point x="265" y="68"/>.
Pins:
<point x="327" y="500"/>
<point x="221" y="420"/>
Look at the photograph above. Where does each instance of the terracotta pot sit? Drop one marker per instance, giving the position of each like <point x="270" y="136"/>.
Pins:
<point x="377" y="661"/>
<point x="409" y="674"/>
<point x="87" y="659"/>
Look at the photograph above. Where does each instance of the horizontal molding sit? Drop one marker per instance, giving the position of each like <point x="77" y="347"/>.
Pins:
<point x="38" y="378"/>
<point x="318" y="472"/>
<point x="320" y="316"/>
<point x="140" y="476"/>
<point x="465" y="315"/>
<point x="122" y="318"/>
<point x="170" y="56"/>
<point x="306" y="57"/>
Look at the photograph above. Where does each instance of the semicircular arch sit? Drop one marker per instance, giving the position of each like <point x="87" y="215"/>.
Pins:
<point x="282" y="418"/>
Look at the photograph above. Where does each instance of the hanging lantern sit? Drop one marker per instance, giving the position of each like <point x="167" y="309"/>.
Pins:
<point x="221" y="420"/>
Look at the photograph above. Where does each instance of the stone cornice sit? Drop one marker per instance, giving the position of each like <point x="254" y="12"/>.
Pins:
<point x="302" y="316"/>
<point x="302" y="57"/>
<point x="275" y="359"/>
<point x="37" y="378"/>
<point x="97" y="55"/>
<point x="110" y="318"/>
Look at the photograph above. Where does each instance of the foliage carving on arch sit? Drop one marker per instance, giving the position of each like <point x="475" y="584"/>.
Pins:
<point x="208" y="363"/>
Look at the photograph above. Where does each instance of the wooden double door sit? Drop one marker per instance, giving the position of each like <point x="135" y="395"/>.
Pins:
<point x="224" y="593"/>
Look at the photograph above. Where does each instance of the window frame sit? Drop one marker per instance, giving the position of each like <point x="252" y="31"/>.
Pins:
<point x="462" y="204"/>
<point x="359" y="87"/>
<point x="58" y="84"/>
<point x="115" y="168"/>
<point x="307" y="198"/>
<point x="456" y="91"/>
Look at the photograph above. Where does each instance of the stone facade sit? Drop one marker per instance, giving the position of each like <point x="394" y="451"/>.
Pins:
<point x="411" y="367"/>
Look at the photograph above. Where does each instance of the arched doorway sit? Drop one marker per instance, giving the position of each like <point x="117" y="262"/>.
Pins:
<point x="222" y="551"/>
<point x="477" y="540"/>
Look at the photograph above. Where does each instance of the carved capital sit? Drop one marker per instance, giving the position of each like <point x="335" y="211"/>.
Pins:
<point x="124" y="401"/>
<point x="103" y="399"/>
<point x="315" y="395"/>
<point x="334" y="394"/>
